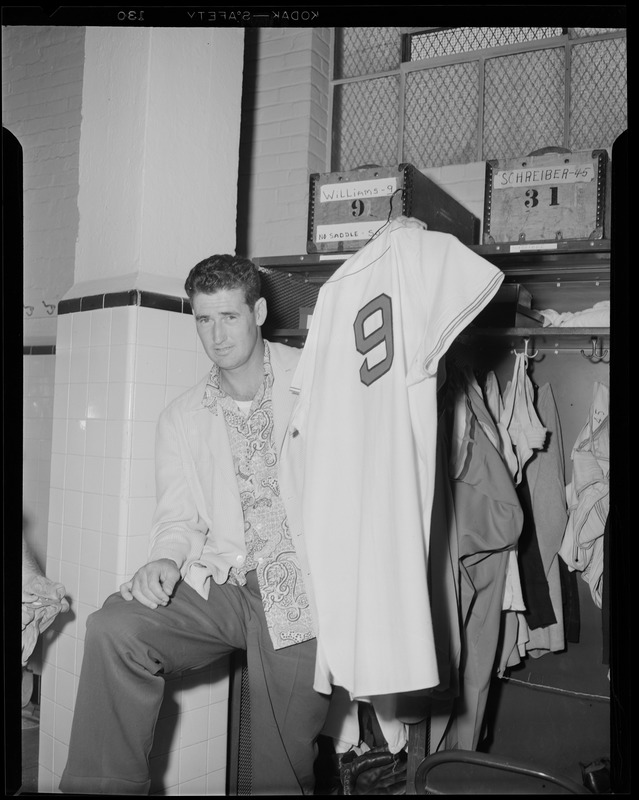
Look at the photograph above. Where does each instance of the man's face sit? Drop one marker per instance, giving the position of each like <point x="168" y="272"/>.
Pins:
<point x="227" y="327"/>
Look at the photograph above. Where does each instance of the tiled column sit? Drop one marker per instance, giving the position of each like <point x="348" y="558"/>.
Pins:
<point x="117" y="367"/>
<point x="151" y="140"/>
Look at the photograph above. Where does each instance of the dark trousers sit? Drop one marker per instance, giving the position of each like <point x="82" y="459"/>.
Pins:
<point x="129" y="649"/>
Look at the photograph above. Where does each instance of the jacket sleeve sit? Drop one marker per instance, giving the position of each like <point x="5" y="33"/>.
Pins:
<point x="178" y="531"/>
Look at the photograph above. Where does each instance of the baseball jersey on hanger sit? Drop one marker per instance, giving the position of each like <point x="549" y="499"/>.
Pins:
<point x="361" y="449"/>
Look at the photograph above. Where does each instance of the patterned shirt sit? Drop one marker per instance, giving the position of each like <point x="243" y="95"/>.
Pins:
<point x="269" y="547"/>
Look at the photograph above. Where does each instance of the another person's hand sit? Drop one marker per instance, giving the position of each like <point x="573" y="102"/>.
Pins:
<point x="38" y="589"/>
<point x="153" y="584"/>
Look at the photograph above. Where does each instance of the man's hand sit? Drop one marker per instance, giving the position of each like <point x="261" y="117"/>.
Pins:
<point x="153" y="584"/>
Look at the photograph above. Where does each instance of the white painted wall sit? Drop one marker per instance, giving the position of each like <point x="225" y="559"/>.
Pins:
<point x="42" y="71"/>
<point x="158" y="157"/>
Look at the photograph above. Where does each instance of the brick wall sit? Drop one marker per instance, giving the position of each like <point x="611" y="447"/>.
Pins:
<point x="284" y="136"/>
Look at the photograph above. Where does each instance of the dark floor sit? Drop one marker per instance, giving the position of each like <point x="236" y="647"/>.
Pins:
<point x="30" y="744"/>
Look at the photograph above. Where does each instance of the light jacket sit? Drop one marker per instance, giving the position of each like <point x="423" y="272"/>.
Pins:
<point x="198" y="517"/>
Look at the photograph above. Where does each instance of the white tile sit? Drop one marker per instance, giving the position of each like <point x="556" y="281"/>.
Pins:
<point x="150" y="365"/>
<point x="45" y="407"/>
<point x="110" y="522"/>
<point x="64" y="689"/>
<point x="45" y="755"/>
<point x="90" y="549"/>
<point x="62" y="725"/>
<point x="181" y="368"/>
<point x="216" y="782"/>
<point x="73" y="473"/>
<point x="79" y="365"/>
<point x="216" y="753"/>
<point x="112" y="554"/>
<point x="140" y="515"/>
<point x="109" y="583"/>
<point x="96" y="436"/>
<point x="143" y="444"/>
<point x="196" y="689"/>
<point x="142" y="483"/>
<point x="60" y="755"/>
<point x="56" y="504"/>
<point x="100" y="326"/>
<point x="45" y="448"/>
<point x="220" y="672"/>
<point x="72" y="511"/>
<point x="218" y="719"/>
<point x="118" y="436"/>
<point x="120" y="401"/>
<point x="62" y="364"/>
<point x="172" y="774"/>
<point x="79" y="655"/>
<point x="192" y="788"/>
<point x="31" y="428"/>
<point x="81" y="332"/>
<point x="194" y="727"/>
<point x="116" y="477"/>
<point x="30" y="449"/>
<point x="76" y="437"/>
<point x="64" y="330"/>
<point x="58" y="464"/>
<point x="89" y="586"/>
<point x="54" y="541"/>
<point x="153" y="327"/>
<point x="137" y="552"/>
<point x="97" y="399"/>
<point x="47" y="706"/>
<point x="71" y="539"/>
<point x="99" y="360"/>
<point x="93" y="474"/>
<point x="121" y="363"/>
<point x="47" y="782"/>
<point x="182" y="332"/>
<point x="148" y="402"/>
<point x="47" y="688"/>
<point x="61" y="401"/>
<point x="53" y="568"/>
<point x="70" y="572"/>
<point x="92" y="511"/>
<point x="77" y="406"/>
<point x="66" y="653"/>
<point x="192" y="761"/>
<point x="123" y="325"/>
<point x="83" y="612"/>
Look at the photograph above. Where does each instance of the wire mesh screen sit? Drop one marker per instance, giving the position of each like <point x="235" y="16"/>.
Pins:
<point x="577" y="32"/>
<point x="491" y="93"/>
<point x="524" y="103"/>
<point x="598" y="100"/>
<point x="361" y="51"/>
<point x="466" y="40"/>
<point x="441" y="115"/>
<point x="367" y="133"/>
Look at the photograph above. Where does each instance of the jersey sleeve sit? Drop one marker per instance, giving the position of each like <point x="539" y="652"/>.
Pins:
<point x="455" y="284"/>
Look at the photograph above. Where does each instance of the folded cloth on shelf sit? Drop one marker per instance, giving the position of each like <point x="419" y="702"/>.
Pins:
<point x="596" y="317"/>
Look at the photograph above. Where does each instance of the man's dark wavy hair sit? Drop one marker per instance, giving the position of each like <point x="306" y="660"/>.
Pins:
<point x="225" y="271"/>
